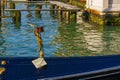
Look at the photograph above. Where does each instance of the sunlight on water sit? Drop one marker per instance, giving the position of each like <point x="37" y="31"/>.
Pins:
<point x="19" y="40"/>
<point x="85" y="39"/>
<point x="60" y="37"/>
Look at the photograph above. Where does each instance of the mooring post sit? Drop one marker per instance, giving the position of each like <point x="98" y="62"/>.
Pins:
<point x="59" y="12"/>
<point x="57" y="9"/>
<point x="67" y="15"/>
<point x="12" y="5"/>
<point x="2" y="7"/>
<point x="37" y="12"/>
<point x="38" y="7"/>
<point x="52" y="7"/>
<point x="38" y="15"/>
<point x="17" y="16"/>
<point x="0" y="11"/>
<point x="73" y="16"/>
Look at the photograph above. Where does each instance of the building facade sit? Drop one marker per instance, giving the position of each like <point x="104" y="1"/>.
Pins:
<point x="103" y="5"/>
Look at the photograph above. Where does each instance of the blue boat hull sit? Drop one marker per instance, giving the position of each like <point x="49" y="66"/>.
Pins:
<point x="21" y="68"/>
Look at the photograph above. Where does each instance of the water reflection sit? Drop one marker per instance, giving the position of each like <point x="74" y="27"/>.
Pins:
<point x="69" y="42"/>
<point x="61" y="38"/>
<point x="93" y="39"/>
<point x="2" y="41"/>
<point x="2" y="48"/>
<point x="20" y="40"/>
<point x="85" y="39"/>
<point x="112" y="38"/>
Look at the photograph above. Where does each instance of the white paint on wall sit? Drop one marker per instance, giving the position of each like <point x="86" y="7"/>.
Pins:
<point x="94" y="4"/>
<point x="103" y="5"/>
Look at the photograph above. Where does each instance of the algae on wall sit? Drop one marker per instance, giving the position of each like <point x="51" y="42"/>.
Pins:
<point x="97" y="19"/>
<point x="113" y="21"/>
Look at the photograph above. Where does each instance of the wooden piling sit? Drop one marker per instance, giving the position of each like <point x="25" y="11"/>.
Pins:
<point x="38" y="7"/>
<point x="73" y="16"/>
<point x="52" y="7"/>
<point x="59" y="13"/>
<point x="37" y="10"/>
<point x="38" y="15"/>
<point x="2" y="7"/>
<point x="12" y="5"/>
<point x="17" y="16"/>
<point x="0" y="11"/>
<point x="67" y="13"/>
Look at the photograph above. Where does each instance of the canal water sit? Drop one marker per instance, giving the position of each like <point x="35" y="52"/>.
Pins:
<point x="60" y="38"/>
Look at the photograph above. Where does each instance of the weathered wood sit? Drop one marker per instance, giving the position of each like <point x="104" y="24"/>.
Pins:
<point x="52" y="7"/>
<point x="42" y="9"/>
<point x="17" y="16"/>
<point x="6" y="16"/>
<point x="37" y="10"/>
<point x="62" y="8"/>
<point x="0" y="10"/>
<point x="12" y="5"/>
<point x="29" y="1"/>
<point x="63" y="5"/>
<point x="57" y="3"/>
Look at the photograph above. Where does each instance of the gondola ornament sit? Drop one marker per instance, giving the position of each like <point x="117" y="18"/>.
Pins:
<point x="2" y="69"/>
<point x="39" y="62"/>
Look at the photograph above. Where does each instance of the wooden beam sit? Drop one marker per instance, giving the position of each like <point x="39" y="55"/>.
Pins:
<point x="30" y="1"/>
<point x="0" y="10"/>
<point x="43" y="10"/>
<point x="6" y="16"/>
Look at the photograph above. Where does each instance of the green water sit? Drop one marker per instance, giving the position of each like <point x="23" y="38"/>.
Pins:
<point x="85" y="39"/>
<point x="60" y="38"/>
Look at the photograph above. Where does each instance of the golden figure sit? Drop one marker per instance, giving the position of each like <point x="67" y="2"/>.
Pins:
<point x="37" y="32"/>
<point x="3" y="62"/>
<point x="2" y="70"/>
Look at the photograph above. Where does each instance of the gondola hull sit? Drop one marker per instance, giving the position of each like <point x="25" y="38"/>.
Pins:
<point x="21" y="68"/>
